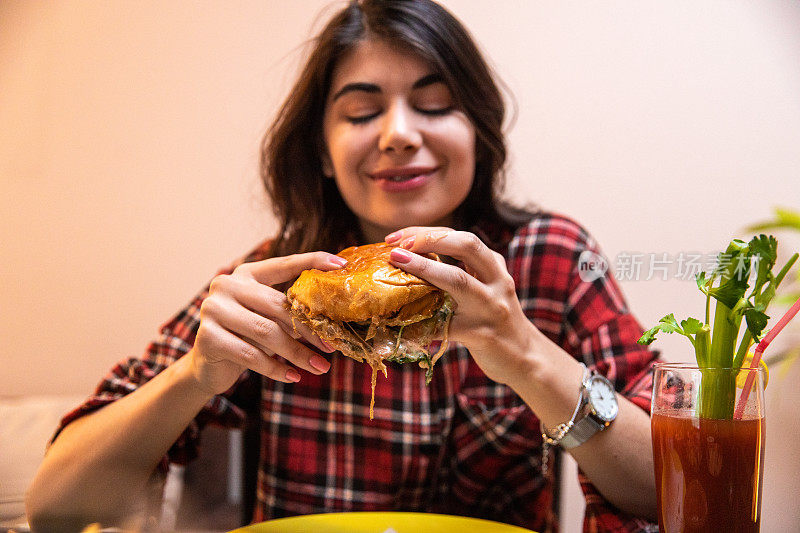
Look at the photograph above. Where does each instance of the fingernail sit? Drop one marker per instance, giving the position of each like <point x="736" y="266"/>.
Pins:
<point x="392" y="237"/>
<point x="408" y="243"/>
<point x="338" y="261"/>
<point x="319" y="363"/>
<point x="327" y="346"/>
<point x="292" y="375"/>
<point x="400" y="255"/>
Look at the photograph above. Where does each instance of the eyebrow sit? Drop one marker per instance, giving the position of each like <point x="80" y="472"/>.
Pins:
<point x="424" y="81"/>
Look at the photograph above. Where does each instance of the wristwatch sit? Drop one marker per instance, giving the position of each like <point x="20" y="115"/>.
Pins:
<point x="597" y="410"/>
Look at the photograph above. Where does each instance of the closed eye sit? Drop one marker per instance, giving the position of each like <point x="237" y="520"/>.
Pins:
<point x="436" y="112"/>
<point x="362" y="119"/>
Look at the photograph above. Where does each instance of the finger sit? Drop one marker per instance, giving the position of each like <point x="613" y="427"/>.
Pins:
<point x="269" y="336"/>
<point x="292" y="332"/>
<point x="463" y="287"/>
<point x="246" y="354"/>
<point x="271" y="303"/>
<point x="267" y="302"/>
<point x="280" y="269"/>
<point x="402" y="234"/>
<point x="298" y="330"/>
<point x="486" y="265"/>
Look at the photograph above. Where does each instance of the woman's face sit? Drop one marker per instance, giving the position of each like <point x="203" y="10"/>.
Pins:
<point x="399" y="150"/>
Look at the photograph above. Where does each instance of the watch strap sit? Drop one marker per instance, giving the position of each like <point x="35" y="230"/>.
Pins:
<point x="583" y="428"/>
<point x="581" y="431"/>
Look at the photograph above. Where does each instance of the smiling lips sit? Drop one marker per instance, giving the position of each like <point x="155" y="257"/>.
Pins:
<point x="402" y="178"/>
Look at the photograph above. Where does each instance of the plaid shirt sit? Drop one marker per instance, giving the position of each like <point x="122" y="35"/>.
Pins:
<point x="462" y="445"/>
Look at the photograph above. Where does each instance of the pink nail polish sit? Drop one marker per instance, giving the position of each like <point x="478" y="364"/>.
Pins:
<point x="327" y="346"/>
<point x="292" y="375"/>
<point x="392" y="237"/>
<point x="338" y="261"/>
<point x="319" y="363"/>
<point x="400" y="255"/>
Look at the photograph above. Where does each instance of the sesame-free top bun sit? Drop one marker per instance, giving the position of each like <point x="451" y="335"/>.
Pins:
<point x="368" y="287"/>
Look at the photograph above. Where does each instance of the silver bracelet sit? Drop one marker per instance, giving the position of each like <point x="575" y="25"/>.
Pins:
<point x="553" y="438"/>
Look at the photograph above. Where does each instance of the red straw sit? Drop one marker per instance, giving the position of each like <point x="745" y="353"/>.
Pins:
<point x="748" y="384"/>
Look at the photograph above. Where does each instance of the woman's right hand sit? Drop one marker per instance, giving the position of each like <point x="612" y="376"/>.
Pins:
<point x="95" y="472"/>
<point x="244" y="323"/>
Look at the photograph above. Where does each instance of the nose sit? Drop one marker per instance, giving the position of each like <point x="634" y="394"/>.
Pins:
<point x="399" y="132"/>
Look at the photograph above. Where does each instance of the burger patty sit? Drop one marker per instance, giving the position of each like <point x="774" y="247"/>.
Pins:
<point x="383" y="340"/>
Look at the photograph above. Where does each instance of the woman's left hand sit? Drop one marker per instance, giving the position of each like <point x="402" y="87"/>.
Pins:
<point x="489" y="320"/>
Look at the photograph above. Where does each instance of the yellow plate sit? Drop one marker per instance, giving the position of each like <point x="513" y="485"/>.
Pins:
<point x="379" y="522"/>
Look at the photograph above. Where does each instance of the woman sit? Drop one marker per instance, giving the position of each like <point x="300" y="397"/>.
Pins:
<point x="392" y="132"/>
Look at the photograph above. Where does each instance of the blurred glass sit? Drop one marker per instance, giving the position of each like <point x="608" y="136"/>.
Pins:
<point x="709" y="471"/>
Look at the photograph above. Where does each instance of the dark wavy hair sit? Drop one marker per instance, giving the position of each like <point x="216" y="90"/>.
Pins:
<point x="311" y="213"/>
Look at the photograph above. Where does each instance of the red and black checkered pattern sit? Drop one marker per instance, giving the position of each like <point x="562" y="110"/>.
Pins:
<point x="462" y="445"/>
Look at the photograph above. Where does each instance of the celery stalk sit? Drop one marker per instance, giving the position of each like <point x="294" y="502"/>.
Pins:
<point x="701" y="345"/>
<point x="717" y="388"/>
<point x="717" y="393"/>
<point x="715" y="344"/>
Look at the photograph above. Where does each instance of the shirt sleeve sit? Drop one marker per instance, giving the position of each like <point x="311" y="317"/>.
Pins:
<point x="175" y="339"/>
<point x="601" y="332"/>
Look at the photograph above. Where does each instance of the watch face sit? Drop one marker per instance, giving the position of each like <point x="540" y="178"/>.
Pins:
<point x="602" y="398"/>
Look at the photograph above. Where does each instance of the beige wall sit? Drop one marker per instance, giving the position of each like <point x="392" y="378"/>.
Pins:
<point x="129" y="135"/>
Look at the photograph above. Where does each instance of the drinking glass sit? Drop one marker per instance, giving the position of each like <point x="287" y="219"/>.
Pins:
<point x="709" y="462"/>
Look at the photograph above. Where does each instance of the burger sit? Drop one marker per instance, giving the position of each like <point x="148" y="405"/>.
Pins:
<point x="372" y="311"/>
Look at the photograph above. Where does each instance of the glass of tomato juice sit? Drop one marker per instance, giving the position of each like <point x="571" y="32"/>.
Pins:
<point x="708" y="469"/>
